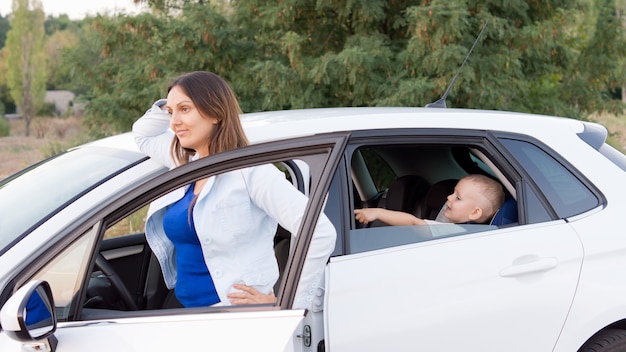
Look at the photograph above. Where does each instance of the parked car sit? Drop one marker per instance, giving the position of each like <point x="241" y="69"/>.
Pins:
<point x="544" y="275"/>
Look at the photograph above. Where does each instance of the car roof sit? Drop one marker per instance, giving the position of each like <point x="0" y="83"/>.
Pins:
<point x="284" y="124"/>
<point x="265" y="126"/>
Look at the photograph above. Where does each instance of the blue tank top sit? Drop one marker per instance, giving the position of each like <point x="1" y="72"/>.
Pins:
<point x="194" y="284"/>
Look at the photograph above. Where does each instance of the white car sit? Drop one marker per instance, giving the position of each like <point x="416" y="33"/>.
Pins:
<point x="547" y="274"/>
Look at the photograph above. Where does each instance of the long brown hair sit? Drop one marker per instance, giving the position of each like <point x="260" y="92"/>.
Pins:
<point x="213" y="98"/>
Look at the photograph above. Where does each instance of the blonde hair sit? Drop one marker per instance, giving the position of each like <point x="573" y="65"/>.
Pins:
<point x="492" y="191"/>
<point x="214" y="98"/>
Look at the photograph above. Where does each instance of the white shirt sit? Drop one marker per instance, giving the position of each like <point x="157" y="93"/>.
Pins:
<point x="235" y="216"/>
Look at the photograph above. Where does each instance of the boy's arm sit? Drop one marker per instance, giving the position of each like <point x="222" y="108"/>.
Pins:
<point x="389" y="217"/>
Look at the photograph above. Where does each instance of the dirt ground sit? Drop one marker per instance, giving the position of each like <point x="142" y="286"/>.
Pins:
<point x="48" y="136"/>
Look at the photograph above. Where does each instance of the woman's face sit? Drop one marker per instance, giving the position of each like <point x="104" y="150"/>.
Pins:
<point x="191" y="128"/>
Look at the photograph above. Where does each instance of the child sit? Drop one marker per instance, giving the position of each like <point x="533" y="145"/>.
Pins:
<point x="476" y="199"/>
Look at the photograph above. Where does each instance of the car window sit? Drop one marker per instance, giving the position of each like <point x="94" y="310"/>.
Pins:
<point x="381" y="173"/>
<point x="567" y="194"/>
<point x="132" y="224"/>
<point x="535" y="208"/>
<point x="136" y="222"/>
<point x="126" y="252"/>
<point x="369" y="239"/>
<point x="48" y="186"/>
<point x="66" y="271"/>
<point x="426" y="176"/>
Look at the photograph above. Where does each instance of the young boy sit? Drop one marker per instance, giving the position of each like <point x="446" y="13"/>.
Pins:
<point x="476" y="199"/>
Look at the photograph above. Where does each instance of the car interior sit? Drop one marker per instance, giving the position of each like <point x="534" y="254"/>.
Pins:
<point x="127" y="276"/>
<point x="418" y="179"/>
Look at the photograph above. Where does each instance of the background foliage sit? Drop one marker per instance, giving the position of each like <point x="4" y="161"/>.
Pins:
<point x="25" y="60"/>
<point x="556" y="57"/>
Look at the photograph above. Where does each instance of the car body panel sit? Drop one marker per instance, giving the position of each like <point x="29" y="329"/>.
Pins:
<point x="600" y="294"/>
<point x="183" y="332"/>
<point x="465" y="297"/>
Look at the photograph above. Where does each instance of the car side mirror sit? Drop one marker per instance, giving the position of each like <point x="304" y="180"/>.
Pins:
<point x="29" y="315"/>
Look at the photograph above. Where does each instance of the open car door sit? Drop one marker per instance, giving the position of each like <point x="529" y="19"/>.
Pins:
<point x="271" y="327"/>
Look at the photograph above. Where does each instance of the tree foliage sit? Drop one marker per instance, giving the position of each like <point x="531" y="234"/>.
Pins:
<point x="4" y="29"/>
<point x="555" y="57"/>
<point x="25" y="56"/>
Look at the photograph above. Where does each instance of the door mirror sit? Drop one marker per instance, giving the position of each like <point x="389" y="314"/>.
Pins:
<point x="29" y="314"/>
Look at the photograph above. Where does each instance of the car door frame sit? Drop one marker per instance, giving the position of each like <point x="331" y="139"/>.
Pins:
<point x="322" y="152"/>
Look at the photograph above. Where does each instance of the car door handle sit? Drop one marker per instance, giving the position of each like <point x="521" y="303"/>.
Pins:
<point x="528" y="265"/>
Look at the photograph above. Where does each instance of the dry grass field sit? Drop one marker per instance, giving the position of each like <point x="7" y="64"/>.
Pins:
<point x="617" y="129"/>
<point x="48" y="136"/>
<point x="51" y="135"/>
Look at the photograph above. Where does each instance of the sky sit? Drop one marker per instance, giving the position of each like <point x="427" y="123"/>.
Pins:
<point x="77" y="9"/>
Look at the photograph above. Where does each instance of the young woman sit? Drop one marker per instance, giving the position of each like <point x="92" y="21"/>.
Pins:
<point x="214" y="238"/>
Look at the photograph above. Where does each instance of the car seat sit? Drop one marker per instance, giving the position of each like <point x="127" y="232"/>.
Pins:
<point x="435" y="198"/>
<point x="282" y="243"/>
<point x="403" y="195"/>
<point x="507" y="214"/>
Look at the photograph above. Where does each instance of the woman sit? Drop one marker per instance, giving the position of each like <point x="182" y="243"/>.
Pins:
<point x="214" y="238"/>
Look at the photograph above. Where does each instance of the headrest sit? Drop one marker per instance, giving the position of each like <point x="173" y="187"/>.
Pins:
<point x="436" y="197"/>
<point x="405" y="191"/>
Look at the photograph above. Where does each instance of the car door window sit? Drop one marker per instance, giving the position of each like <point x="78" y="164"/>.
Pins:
<point x="66" y="271"/>
<point x="126" y="252"/>
<point x="426" y="175"/>
<point x="127" y="258"/>
<point x="381" y="172"/>
<point x="567" y="193"/>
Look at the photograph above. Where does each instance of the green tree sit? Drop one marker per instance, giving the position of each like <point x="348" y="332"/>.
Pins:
<point x="59" y="76"/>
<point x="62" y="23"/>
<point x="540" y="56"/>
<point x="25" y="55"/>
<point x="4" y="29"/>
<point x="597" y="70"/>
<point x="621" y="14"/>
<point x="126" y="61"/>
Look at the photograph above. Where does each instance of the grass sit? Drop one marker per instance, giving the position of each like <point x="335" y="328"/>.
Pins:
<point x="616" y="125"/>
<point x="48" y="136"/>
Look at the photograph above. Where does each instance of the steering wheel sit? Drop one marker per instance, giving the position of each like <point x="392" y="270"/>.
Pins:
<point x="116" y="282"/>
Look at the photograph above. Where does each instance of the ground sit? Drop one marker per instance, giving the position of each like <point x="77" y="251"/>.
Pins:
<point x="51" y="135"/>
<point x="48" y="136"/>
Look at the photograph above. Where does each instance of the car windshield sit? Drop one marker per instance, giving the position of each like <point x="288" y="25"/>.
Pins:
<point x="34" y="194"/>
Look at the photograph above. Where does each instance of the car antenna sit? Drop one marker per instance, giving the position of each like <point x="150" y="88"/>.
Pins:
<point x="441" y="103"/>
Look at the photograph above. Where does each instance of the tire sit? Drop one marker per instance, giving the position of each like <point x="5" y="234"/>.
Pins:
<point x="610" y="340"/>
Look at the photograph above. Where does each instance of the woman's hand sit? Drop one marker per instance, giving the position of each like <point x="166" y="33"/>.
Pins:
<point x="250" y="295"/>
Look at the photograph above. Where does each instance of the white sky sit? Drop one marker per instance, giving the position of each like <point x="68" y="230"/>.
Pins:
<point x="77" y="9"/>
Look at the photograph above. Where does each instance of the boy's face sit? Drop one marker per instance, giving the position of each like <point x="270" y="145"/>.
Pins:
<point x="463" y="204"/>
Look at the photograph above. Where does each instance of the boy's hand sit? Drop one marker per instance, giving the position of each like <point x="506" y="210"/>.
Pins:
<point x="365" y="215"/>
